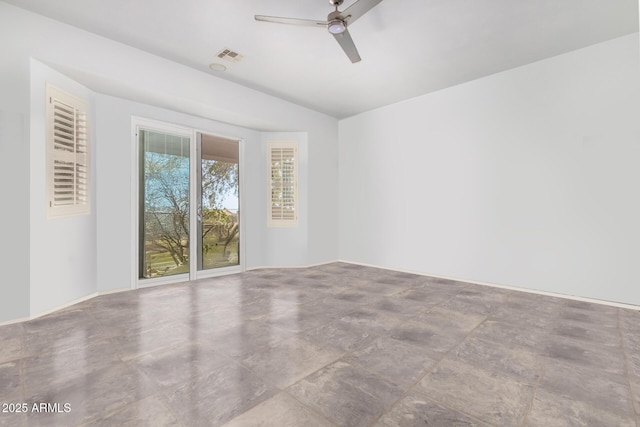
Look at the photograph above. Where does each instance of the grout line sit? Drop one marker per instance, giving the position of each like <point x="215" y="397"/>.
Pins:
<point x="266" y="378"/>
<point x="312" y="409"/>
<point x="506" y="287"/>
<point x="165" y="403"/>
<point x="436" y="401"/>
<point x="488" y="317"/>
<point x="436" y="364"/>
<point x="634" y="410"/>
<point x="348" y="353"/>
<point x="357" y="365"/>
<point x="402" y="320"/>
<point x="280" y="389"/>
<point x="163" y="390"/>
<point x="545" y="360"/>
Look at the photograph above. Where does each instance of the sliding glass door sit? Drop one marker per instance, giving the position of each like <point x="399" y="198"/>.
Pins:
<point x="218" y="194"/>
<point x="164" y="204"/>
<point x="188" y="185"/>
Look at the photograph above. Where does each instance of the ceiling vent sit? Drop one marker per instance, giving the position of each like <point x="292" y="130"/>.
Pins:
<point x="230" y="55"/>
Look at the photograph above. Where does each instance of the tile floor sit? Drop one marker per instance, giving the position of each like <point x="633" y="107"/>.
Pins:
<point x="333" y="345"/>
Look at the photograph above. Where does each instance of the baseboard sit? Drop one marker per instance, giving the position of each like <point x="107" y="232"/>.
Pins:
<point x="219" y="272"/>
<point x="66" y="305"/>
<point x="493" y="285"/>
<point x="114" y="291"/>
<point x="292" y="266"/>
<point x="11" y="322"/>
<point x="62" y="307"/>
<point x="511" y="288"/>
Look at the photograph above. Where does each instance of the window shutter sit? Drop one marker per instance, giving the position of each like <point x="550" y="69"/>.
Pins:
<point x="283" y="183"/>
<point x="67" y="154"/>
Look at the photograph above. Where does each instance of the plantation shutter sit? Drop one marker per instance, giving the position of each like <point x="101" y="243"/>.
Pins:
<point x="283" y="177"/>
<point x="67" y="154"/>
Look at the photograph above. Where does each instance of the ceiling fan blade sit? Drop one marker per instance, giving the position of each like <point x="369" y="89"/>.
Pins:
<point x="359" y="8"/>
<point x="291" y="21"/>
<point x="346" y="42"/>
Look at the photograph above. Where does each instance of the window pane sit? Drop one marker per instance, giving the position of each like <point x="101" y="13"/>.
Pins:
<point x="219" y="223"/>
<point x="164" y="199"/>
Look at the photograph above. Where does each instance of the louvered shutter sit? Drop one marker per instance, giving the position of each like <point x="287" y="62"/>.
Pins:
<point x="283" y="200"/>
<point x="67" y="154"/>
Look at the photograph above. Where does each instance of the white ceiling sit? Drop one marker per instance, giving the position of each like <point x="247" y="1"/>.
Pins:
<point x="408" y="47"/>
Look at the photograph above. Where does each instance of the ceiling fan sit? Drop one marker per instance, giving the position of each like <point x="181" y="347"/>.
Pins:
<point x="336" y="23"/>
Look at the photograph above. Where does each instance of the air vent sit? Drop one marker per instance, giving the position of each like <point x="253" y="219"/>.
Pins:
<point x="230" y="55"/>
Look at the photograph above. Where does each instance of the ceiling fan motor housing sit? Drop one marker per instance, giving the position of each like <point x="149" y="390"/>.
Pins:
<point x="336" y="23"/>
<point x="337" y="26"/>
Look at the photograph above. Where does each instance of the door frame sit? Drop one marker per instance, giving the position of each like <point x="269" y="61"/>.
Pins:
<point x="138" y="123"/>
<point x="193" y="246"/>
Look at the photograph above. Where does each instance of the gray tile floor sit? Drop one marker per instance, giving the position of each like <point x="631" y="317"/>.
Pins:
<point x="333" y="345"/>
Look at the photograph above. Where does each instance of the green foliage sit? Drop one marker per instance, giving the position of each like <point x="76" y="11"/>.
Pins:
<point x="166" y="194"/>
<point x="218" y="180"/>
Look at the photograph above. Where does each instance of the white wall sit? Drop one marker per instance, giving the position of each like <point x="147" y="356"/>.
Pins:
<point x="322" y="200"/>
<point x="122" y="72"/>
<point x="14" y="173"/>
<point x="62" y="250"/>
<point x="14" y="210"/>
<point x="287" y="246"/>
<point x="526" y="178"/>
<point x="116" y="262"/>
